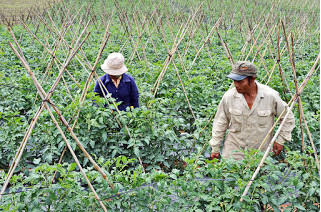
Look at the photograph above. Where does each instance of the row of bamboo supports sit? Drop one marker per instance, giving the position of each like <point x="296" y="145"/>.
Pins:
<point x="126" y="23"/>
<point x="46" y="99"/>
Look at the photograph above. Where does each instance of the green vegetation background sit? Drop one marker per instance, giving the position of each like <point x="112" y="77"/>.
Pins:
<point x="158" y="124"/>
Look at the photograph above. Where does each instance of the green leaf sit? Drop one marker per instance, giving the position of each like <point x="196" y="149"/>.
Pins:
<point x="71" y="167"/>
<point x="147" y="140"/>
<point x="217" y="208"/>
<point x="123" y="159"/>
<point x="62" y="171"/>
<point x="37" y="161"/>
<point x="173" y="176"/>
<point x="114" y="153"/>
<point x="104" y="136"/>
<point x="94" y="123"/>
<point x="264" y="199"/>
<point x="92" y="143"/>
<point x="299" y="206"/>
<point x="175" y="171"/>
<point x="136" y="151"/>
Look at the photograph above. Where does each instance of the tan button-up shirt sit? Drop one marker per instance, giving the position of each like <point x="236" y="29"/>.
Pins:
<point x="247" y="127"/>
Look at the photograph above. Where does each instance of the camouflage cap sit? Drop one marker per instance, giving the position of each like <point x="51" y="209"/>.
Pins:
<point x="241" y="70"/>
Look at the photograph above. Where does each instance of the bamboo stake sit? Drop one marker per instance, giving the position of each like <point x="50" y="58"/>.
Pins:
<point x="141" y="33"/>
<point x="268" y="149"/>
<point x="262" y="60"/>
<point x="42" y="94"/>
<point x="20" y="150"/>
<point x="272" y="69"/>
<point x="299" y="105"/>
<point x="229" y="52"/>
<point x="311" y="140"/>
<point x="225" y="49"/>
<point x="139" y="41"/>
<point x="36" y="116"/>
<point x="151" y="39"/>
<point x="68" y="45"/>
<point x="216" y="25"/>
<point x="174" y="48"/>
<point x="51" y="53"/>
<point x="128" y="28"/>
<point x="255" y="42"/>
<point x="68" y="91"/>
<point x="258" y="50"/>
<point x="191" y="37"/>
<point x="283" y="78"/>
<point x="263" y="42"/>
<point x="301" y="88"/>
<point x="127" y="129"/>
<point x="189" y="105"/>
<point x="294" y="99"/>
<point x="248" y="39"/>
<point x="85" y="90"/>
<point x="177" y="51"/>
<point x="295" y="78"/>
<point x="166" y="63"/>
<point x="101" y="84"/>
<point x="75" y="157"/>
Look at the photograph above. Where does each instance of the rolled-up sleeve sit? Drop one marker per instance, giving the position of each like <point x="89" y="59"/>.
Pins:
<point x="220" y="125"/>
<point x="285" y="133"/>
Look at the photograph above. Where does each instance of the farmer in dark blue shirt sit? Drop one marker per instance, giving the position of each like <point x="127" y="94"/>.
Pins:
<point x="121" y="86"/>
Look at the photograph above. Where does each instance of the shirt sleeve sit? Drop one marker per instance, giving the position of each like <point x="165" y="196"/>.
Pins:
<point x="97" y="89"/>
<point x="220" y="125"/>
<point x="134" y="96"/>
<point x="285" y="133"/>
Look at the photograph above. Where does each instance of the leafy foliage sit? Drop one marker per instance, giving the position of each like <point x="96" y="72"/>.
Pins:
<point x="164" y="133"/>
<point x="213" y="186"/>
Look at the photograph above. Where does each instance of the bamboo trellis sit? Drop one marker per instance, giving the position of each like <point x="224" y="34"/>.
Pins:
<point x="135" y="26"/>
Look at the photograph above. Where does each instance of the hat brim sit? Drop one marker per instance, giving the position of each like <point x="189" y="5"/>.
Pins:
<point x="236" y="77"/>
<point x="113" y="71"/>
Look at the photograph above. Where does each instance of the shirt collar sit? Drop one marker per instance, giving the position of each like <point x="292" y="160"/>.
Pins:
<point x="125" y="78"/>
<point x="259" y="91"/>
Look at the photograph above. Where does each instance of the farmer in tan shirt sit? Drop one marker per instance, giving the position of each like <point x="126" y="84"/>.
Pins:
<point x="248" y="112"/>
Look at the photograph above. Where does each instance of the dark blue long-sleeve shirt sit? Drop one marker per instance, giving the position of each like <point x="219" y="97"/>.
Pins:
<point x="127" y="91"/>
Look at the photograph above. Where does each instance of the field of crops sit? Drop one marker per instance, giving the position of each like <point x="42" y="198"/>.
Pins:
<point x="59" y="152"/>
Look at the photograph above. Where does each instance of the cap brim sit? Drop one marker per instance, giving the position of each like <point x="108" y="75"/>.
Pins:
<point x="112" y="71"/>
<point x="236" y="77"/>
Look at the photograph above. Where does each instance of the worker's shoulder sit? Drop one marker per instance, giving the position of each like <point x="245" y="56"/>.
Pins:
<point x="267" y="90"/>
<point x="229" y="93"/>
<point x="128" y="78"/>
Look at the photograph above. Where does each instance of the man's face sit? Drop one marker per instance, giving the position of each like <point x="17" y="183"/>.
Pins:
<point x="243" y="86"/>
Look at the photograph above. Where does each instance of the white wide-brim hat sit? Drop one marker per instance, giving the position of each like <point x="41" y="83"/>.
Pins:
<point x="114" y="64"/>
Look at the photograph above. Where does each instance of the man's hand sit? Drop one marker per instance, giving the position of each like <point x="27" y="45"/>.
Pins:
<point x="215" y="155"/>
<point x="277" y="148"/>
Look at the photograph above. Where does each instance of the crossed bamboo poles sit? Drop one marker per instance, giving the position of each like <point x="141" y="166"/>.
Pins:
<point x="183" y="30"/>
<point x="295" y="99"/>
<point x="46" y="99"/>
<point x="228" y="52"/>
